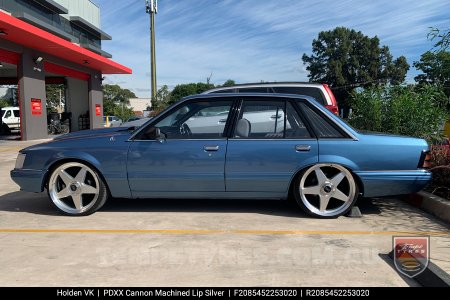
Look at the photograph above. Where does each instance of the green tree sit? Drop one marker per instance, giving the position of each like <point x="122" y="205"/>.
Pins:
<point x="183" y="90"/>
<point x="435" y="67"/>
<point x="415" y="110"/>
<point x="117" y="94"/>
<point x="345" y="58"/>
<point x="115" y="101"/>
<point x="229" y="82"/>
<point x="55" y="94"/>
<point x="442" y="36"/>
<point x="162" y="98"/>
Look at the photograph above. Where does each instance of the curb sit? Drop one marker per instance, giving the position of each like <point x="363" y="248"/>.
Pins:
<point x="432" y="204"/>
<point x="432" y="276"/>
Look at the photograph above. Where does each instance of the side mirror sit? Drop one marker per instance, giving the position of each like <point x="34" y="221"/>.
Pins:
<point x="155" y="134"/>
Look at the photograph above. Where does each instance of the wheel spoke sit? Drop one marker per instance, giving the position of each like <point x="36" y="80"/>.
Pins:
<point x="337" y="179"/>
<point x="65" y="177"/>
<point x="340" y="196"/>
<point x="324" y="202"/>
<point x="311" y="190"/>
<point x="77" y="201"/>
<point x="321" y="177"/>
<point x="87" y="189"/>
<point x="81" y="176"/>
<point x="63" y="193"/>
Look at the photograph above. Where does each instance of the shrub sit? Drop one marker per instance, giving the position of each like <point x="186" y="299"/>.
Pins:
<point x="416" y="111"/>
<point x="440" y="160"/>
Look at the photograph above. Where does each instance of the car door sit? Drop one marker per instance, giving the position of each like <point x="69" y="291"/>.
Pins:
<point x="269" y="144"/>
<point x="189" y="156"/>
<point x="16" y="118"/>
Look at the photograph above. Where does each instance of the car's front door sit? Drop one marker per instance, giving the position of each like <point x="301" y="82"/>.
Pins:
<point x="269" y="145"/>
<point x="189" y="155"/>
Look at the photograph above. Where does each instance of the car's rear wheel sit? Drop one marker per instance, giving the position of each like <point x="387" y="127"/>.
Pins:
<point x="76" y="189"/>
<point x="326" y="190"/>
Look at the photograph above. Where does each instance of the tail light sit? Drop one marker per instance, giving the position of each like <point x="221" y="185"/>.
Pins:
<point x="425" y="160"/>
<point x="333" y="107"/>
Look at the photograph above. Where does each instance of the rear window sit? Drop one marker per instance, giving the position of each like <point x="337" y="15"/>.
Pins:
<point x="322" y="127"/>
<point x="307" y="91"/>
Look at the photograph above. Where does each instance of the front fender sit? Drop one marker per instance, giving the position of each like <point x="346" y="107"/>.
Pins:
<point x="72" y="155"/>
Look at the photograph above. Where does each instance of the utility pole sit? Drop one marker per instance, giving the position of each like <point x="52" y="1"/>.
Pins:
<point x="152" y="9"/>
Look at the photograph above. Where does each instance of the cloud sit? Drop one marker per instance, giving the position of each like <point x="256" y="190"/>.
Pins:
<point x="253" y="40"/>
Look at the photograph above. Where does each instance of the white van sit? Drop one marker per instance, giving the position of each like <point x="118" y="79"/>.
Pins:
<point x="11" y="117"/>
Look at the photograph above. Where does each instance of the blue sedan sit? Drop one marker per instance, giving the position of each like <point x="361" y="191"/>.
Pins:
<point x="241" y="146"/>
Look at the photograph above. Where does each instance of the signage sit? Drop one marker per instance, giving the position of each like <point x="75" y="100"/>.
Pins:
<point x="98" y="110"/>
<point x="411" y="254"/>
<point x="36" y="107"/>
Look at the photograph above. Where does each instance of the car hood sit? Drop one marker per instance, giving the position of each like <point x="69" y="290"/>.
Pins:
<point x="95" y="133"/>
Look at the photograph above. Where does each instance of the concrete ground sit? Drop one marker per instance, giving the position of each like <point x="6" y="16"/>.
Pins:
<point x="201" y="243"/>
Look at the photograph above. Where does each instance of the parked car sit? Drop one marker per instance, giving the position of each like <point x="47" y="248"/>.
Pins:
<point x="111" y="121"/>
<point x="320" y="92"/>
<point x="211" y="146"/>
<point x="10" y="118"/>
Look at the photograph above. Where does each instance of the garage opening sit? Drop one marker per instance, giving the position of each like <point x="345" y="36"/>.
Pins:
<point x="9" y="101"/>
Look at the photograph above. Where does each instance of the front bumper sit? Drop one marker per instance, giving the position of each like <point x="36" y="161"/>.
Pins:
<point x="389" y="183"/>
<point x="29" y="180"/>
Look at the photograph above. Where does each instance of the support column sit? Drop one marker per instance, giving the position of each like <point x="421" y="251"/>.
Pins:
<point x="33" y="108"/>
<point x="95" y="101"/>
<point x="77" y="100"/>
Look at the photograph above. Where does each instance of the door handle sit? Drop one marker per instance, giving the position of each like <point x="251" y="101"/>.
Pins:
<point x="303" y="148"/>
<point x="221" y="121"/>
<point x="211" y="148"/>
<point x="276" y="116"/>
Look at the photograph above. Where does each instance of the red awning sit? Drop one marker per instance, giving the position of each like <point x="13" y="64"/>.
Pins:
<point x="25" y="34"/>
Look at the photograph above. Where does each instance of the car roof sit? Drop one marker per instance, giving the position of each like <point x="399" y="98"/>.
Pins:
<point x="240" y="95"/>
<point x="10" y="107"/>
<point x="267" y="84"/>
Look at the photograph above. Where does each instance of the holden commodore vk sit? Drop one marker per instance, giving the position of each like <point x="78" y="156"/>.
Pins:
<point x="229" y="146"/>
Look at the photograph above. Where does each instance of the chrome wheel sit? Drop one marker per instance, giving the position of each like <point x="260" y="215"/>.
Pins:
<point x="74" y="188"/>
<point x="327" y="190"/>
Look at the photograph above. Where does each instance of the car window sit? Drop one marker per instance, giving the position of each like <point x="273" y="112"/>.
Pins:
<point x="8" y="114"/>
<point x="323" y="128"/>
<point x="302" y="90"/>
<point x="269" y="120"/>
<point x="196" y="120"/>
<point x="295" y="128"/>
<point x="16" y="113"/>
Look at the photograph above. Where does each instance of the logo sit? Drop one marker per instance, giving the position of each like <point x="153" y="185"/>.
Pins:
<point x="411" y="254"/>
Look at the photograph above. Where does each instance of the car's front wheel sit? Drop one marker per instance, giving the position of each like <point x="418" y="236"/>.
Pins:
<point x="76" y="189"/>
<point x="326" y="190"/>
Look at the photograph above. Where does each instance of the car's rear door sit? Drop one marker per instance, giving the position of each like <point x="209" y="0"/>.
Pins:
<point x="268" y="145"/>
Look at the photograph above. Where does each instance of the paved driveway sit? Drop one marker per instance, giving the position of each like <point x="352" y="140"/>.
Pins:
<point x="207" y="243"/>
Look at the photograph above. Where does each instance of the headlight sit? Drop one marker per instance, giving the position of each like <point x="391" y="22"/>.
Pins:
<point x="20" y="160"/>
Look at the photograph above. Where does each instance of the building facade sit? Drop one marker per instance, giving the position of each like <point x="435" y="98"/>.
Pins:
<point x="54" y="42"/>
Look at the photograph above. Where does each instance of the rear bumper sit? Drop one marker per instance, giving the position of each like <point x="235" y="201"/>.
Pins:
<point x="29" y="180"/>
<point x="388" y="183"/>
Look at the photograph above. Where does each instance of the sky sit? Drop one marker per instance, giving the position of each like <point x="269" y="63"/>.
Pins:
<point x="253" y="40"/>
